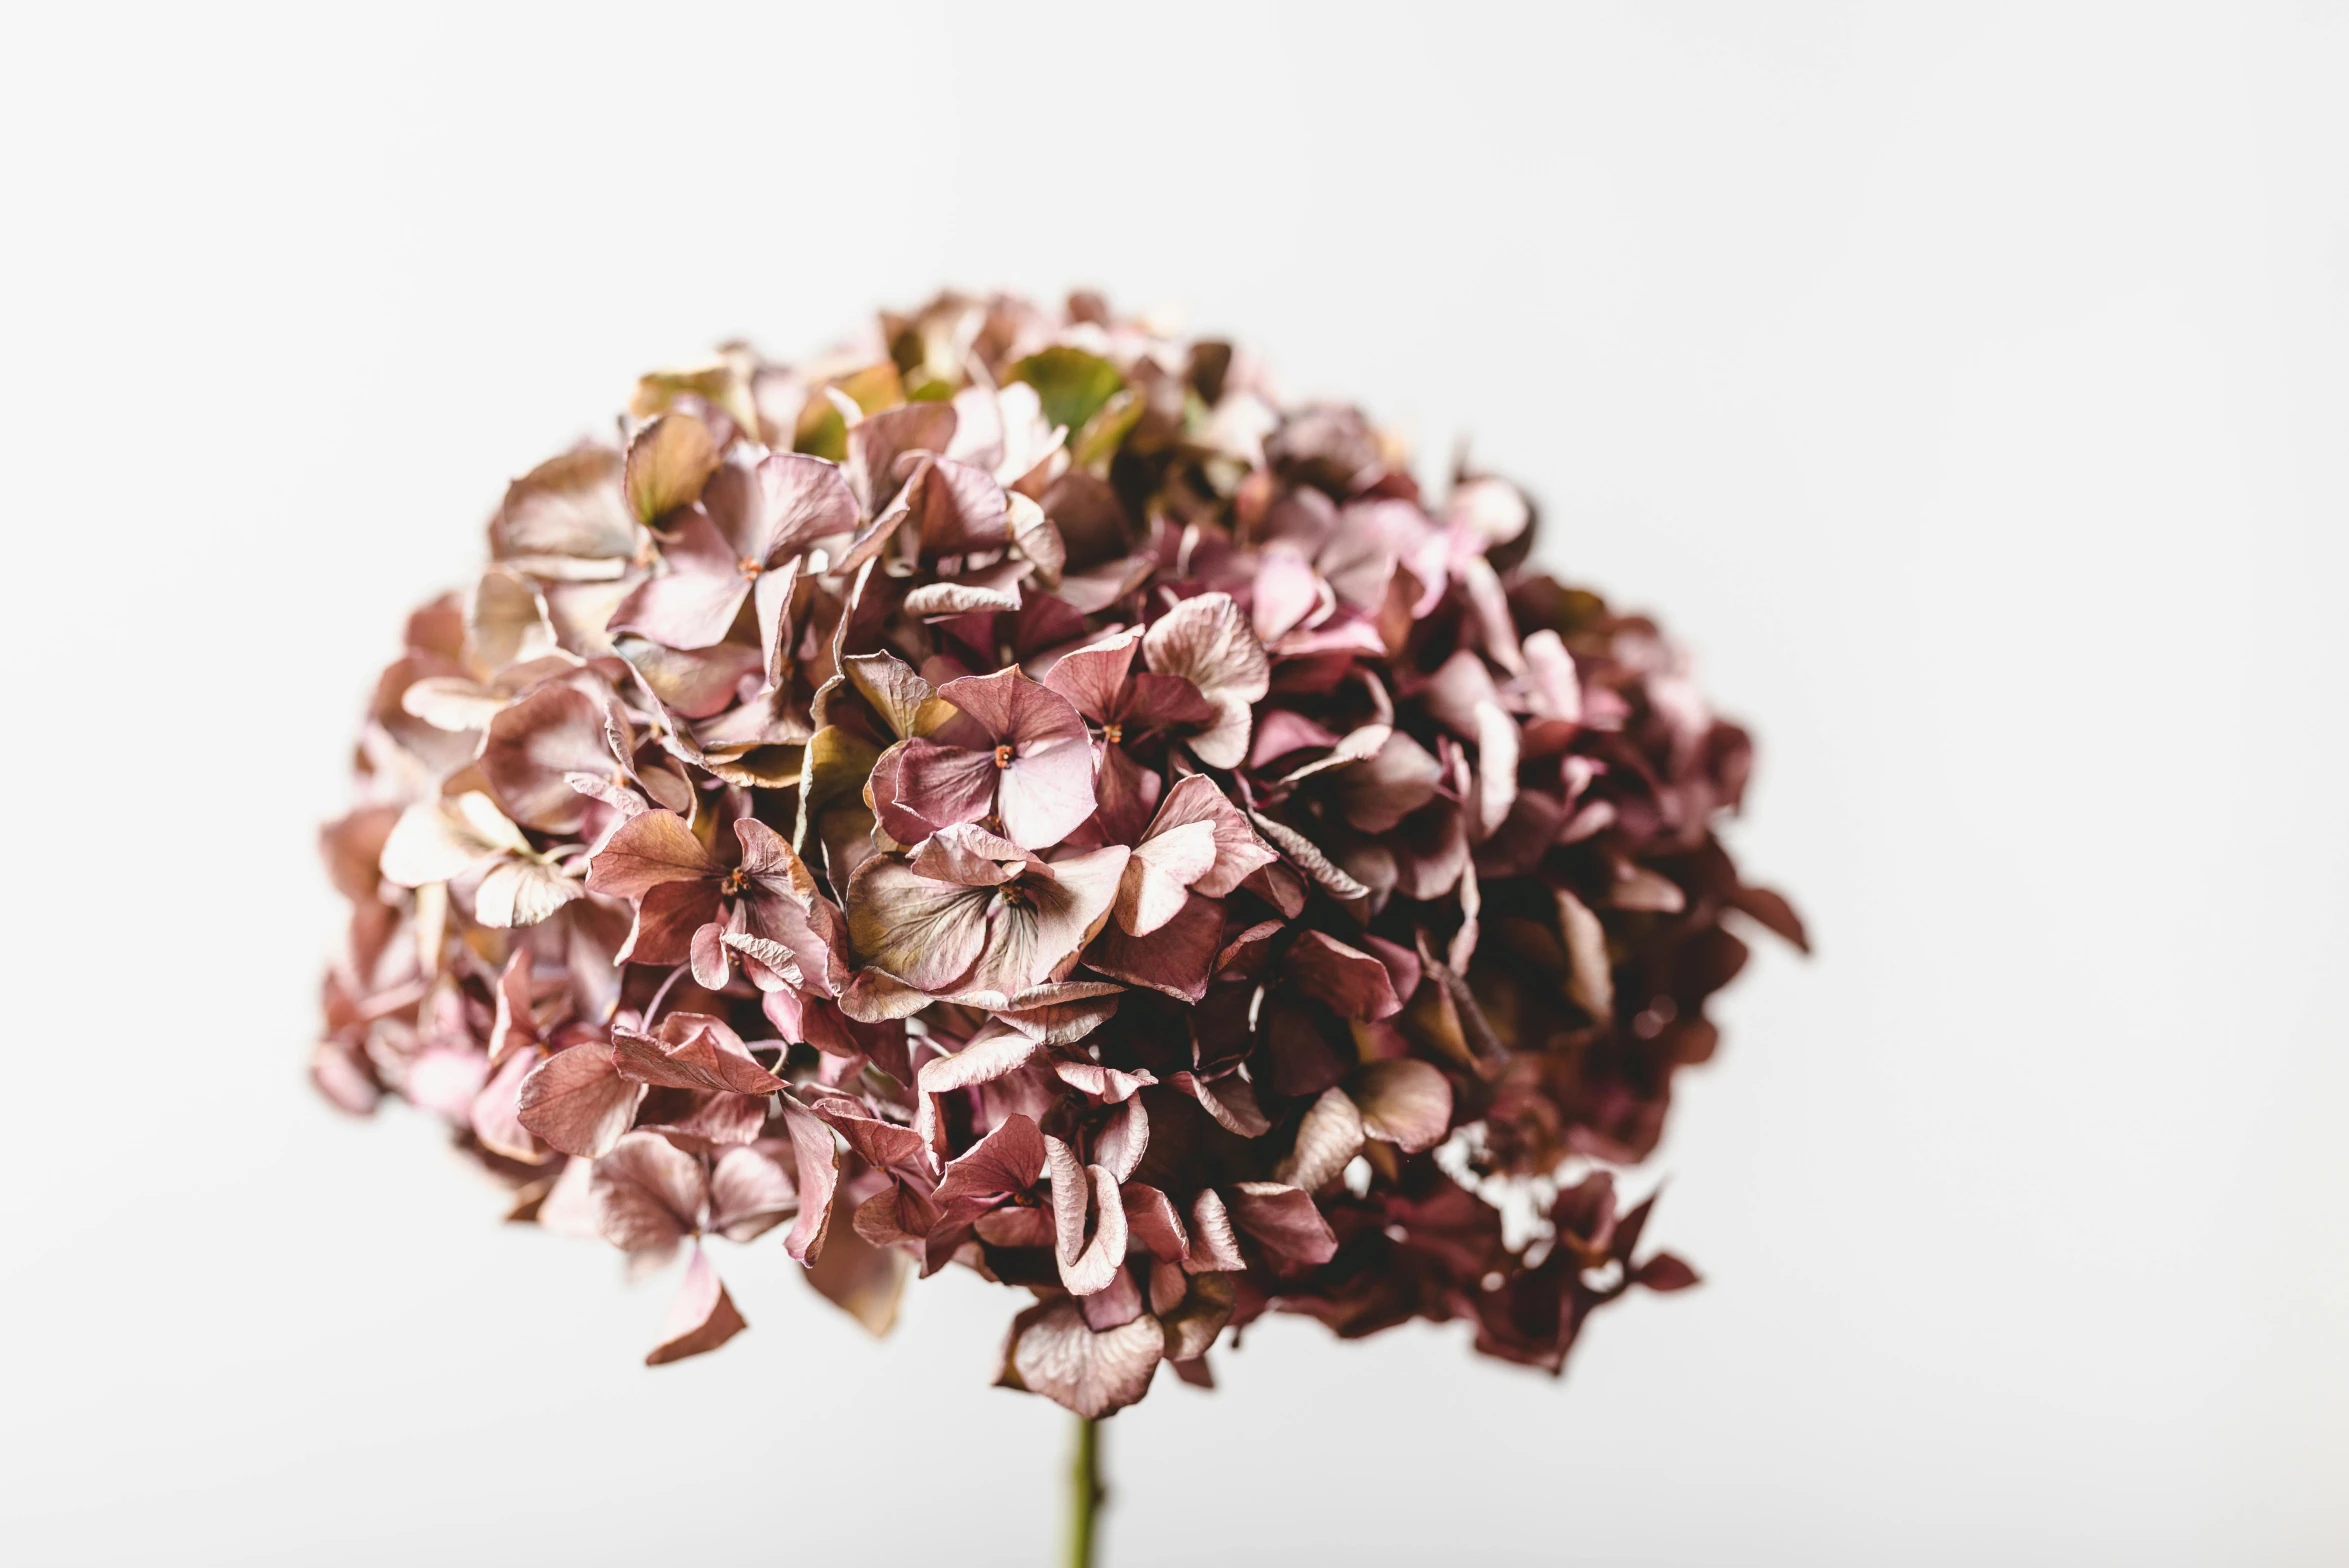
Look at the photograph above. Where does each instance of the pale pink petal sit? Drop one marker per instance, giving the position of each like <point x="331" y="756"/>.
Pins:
<point x="646" y="851"/>
<point x="649" y="1194"/>
<point x="750" y="1192"/>
<point x="702" y="1318"/>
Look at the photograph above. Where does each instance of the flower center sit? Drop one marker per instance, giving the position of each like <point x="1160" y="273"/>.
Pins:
<point x="1003" y="756"/>
<point x="735" y="881"/>
<point x="1013" y="895"/>
<point x="749" y="567"/>
<point x="1113" y="733"/>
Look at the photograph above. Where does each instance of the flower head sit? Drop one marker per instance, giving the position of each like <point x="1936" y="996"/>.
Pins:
<point x="1020" y="796"/>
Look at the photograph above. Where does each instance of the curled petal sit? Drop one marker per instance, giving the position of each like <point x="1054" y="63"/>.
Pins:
<point x="692" y="1051"/>
<point x="1329" y="1137"/>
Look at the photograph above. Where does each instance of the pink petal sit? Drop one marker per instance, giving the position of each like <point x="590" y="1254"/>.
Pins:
<point x="648" y="850"/>
<point x="1153" y="1224"/>
<point x="750" y="1192"/>
<point x="1159" y="874"/>
<point x="802" y="499"/>
<point x="702" y="1317"/>
<point x="1008" y="1161"/>
<point x="578" y="1102"/>
<point x="693" y="604"/>
<point x="1081" y="1193"/>
<point x="990" y="1054"/>
<point x="1092" y="678"/>
<point x="1238" y="850"/>
<point x="648" y="1193"/>
<point x="496" y="1112"/>
<point x="1208" y="642"/>
<point x="1215" y="1247"/>
<point x="1380" y="792"/>
<point x="933" y="786"/>
<point x="1053" y="1352"/>
<point x="567" y="518"/>
<point x="816" y="1173"/>
<point x="692" y="1051"/>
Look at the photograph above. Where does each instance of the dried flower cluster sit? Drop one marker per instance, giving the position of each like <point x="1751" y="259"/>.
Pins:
<point x="1015" y="794"/>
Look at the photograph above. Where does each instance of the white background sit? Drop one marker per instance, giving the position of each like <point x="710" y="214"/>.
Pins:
<point x="1966" y="384"/>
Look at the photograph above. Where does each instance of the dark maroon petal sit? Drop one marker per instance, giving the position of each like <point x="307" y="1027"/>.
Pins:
<point x="1350" y="982"/>
<point x="668" y="918"/>
<point x="1231" y="1101"/>
<point x="1177" y="958"/>
<point x="702" y="1317"/>
<point x="1665" y="1272"/>
<point x="1283" y="1219"/>
<point x="1009" y="1160"/>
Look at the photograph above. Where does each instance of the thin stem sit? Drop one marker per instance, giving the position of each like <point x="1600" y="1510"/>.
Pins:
<point x="1086" y="1494"/>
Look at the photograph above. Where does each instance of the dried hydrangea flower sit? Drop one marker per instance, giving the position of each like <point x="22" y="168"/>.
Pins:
<point x="1015" y="794"/>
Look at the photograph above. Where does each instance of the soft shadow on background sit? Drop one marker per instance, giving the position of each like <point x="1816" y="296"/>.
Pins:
<point x="1964" y="384"/>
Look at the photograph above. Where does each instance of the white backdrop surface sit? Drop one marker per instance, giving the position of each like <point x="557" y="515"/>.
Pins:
<point x="1964" y="383"/>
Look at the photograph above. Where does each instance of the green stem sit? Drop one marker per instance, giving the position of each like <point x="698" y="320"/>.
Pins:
<point x="1086" y="1494"/>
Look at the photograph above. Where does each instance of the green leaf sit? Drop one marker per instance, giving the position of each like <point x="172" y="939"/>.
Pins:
<point x="1070" y="383"/>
